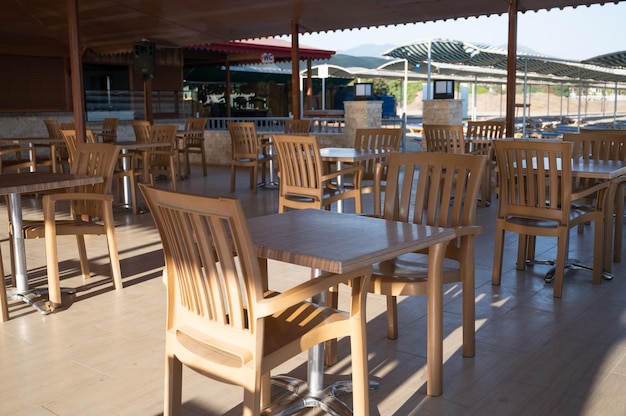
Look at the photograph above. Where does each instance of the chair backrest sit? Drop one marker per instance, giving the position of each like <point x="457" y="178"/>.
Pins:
<point x="143" y="130"/>
<point x="93" y="159"/>
<point x="194" y="131"/>
<point x="376" y="139"/>
<point x="54" y="130"/>
<point x="444" y="138"/>
<point x="434" y="189"/>
<point x="195" y="124"/>
<point x="67" y="126"/>
<point x="297" y="126"/>
<point x="69" y="137"/>
<point x="533" y="180"/>
<point x="598" y="145"/>
<point x="166" y="134"/>
<point x="490" y="129"/>
<point x="213" y="276"/>
<point x="244" y="140"/>
<point x="300" y="165"/>
<point x="109" y="129"/>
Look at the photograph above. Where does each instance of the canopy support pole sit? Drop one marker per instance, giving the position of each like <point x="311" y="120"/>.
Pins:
<point x="511" y="69"/>
<point x="76" y="70"/>
<point x="295" y="70"/>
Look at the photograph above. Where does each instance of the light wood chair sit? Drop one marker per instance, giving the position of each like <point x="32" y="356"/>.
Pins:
<point x="491" y="129"/>
<point x="17" y="159"/>
<point x="384" y="139"/>
<point x="108" y="134"/>
<point x="247" y="152"/>
<point x="303" y="182"/>
<point x="444" y="138"/>
<point x="56" y="154"/>
<point x="193" y="142"/>
<point x="433" y="189"/>
<point x="603" y="145"/>
<point x="69" y="136"/>
<point x="163" y="160"/>
<point x="221" y="319"/>
<point x="488" y="130"/>
<point x="91" y="213"/>
<point x="535" y="199"/>
<point x="298" y="126"/>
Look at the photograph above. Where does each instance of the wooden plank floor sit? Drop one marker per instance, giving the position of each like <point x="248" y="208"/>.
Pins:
<point x="103" y="354"/>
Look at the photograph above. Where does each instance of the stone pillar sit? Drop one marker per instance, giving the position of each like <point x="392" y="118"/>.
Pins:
<point x="361" y="114"/>
<point x="448" y="112"/>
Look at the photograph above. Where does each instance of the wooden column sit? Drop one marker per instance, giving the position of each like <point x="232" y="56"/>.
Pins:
<point x="147" y="98"/>
<point x="511" y="70"/>
<point x="309" y="85"/>
<point x="76" y="70"/>
<point x="295" y="71"/>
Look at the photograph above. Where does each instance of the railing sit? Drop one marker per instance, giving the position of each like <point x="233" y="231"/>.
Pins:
<point x="319" y="124"/>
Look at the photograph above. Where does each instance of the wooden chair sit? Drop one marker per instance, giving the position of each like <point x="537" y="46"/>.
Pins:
<point x="56" y="154"/>
<point x="384" y="139"/>
<point x="163" y="160"/>
<point x="17" y="159"/>
<point x="69" y="136"/>
<point x="193" y="142"/>
<point x="488" y="130"/>
<point x="91" y="214"/>
<point x="221" y="319"/>
<point x="297" y="126"/>
<point x="108" y="134"/>
<point x="491" y="129"/>
<point x="303" y="182"/>
<point x="444" y="138"/>
<point x="247" y="152"/>
<point x="431" y="189"/>
<point x="604" y="145"/>
<point x="535" y="199"/>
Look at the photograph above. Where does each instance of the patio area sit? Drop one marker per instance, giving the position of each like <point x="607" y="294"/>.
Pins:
<point x="104" y="353"/>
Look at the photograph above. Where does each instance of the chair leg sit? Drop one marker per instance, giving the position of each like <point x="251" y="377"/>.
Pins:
<point x="173" y="172"/>
<point x="561" y="257"/>
<point x="204" y="171"/>
<point x="392" y="317"/>
<point x="84" y="261"/>
<point x="498" y="250"/>
<point x="173" y="384"/>
<point x="109" y="225"/>
<point x="468" y="294"/>
<point x="598" y="262"/>
<point x="52" y="257"/>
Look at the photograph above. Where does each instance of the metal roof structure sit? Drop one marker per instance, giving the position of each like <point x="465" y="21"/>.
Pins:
<point x="614" y="59"/>
<point x="458" y="57"/>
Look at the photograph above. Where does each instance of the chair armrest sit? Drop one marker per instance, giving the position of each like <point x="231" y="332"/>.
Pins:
<point x="357" y="171"/>
<point x="468" y="230"/>
<point x="73" y="196"/>
<point x="306" y="290"/>
<point x="589" y="191"/>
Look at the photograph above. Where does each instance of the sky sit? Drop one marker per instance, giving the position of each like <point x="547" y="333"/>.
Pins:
<point x="574" y="34"/>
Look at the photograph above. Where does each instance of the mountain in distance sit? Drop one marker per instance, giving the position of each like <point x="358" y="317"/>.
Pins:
<point x="368" y="50"/>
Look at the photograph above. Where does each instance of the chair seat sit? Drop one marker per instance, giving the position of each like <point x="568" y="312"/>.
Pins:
<point x="577" y="215"/>
<point x="412" y="268"/>
<point x="36" y="229"/>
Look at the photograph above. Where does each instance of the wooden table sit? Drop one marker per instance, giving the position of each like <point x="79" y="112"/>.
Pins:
<point x="15" y="184"/>
<point x="339" y="243"/>
<point x="341" y="155"/>
<point x="612" y="171"/>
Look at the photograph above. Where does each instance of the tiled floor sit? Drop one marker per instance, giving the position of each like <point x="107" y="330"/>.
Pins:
<point x="103" y="355"/>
